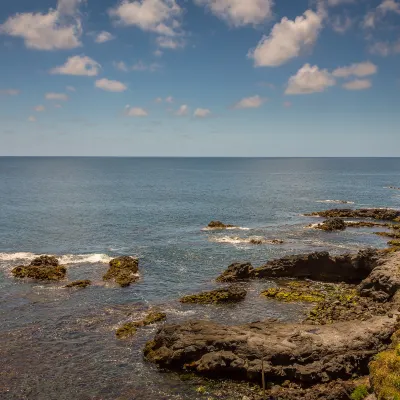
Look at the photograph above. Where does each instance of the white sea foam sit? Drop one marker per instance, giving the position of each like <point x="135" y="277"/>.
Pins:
<point x="93" y="258"/>
<point x="335" y="201"/>
<point x="231" y="228"/>
<point x="241" y="240"/>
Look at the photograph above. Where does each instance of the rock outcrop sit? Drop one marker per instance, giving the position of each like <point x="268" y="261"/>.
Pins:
<point x="231" y="294"/>
<point x="123" y="270"/>
<point x="332" y="224"/>
<point x="237" y="272"/>
<point x="383" y="214"/>
<point x="130" y="328"/>
<point x="45" y="268"/>
<point x="79" y="284"/>
<point x="219" y="225"/>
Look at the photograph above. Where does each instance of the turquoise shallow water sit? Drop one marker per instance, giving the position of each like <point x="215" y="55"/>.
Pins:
<point x="58" y="344"/>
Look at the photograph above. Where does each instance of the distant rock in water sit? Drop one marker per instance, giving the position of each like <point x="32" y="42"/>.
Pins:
<point x="394" y="187"/>
<point x="237" y="272"/>
<point x="218" y="225"/>
<point x="45" y="268"/>
<point x="383" y="214"/>
<point x="123" y="270"/>
<point x="332" y="224"/>
<point x="130" y="328"/>
<point x="79" y="284"/>
<point x="230" y="294"/>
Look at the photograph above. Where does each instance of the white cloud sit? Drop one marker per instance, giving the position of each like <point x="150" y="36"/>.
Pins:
<point x="141" y="66"/>
<point x="240" y="12"/>
<point x="58" y="29"/>
<point x="170" y="43"/>
<point x="169" y="99"/>
<point x="103" y="37"/>
<point x="32" y="119"/>
<point x="158" y="53"/>
<point x="287" y="40"/>
<point x="71" y="89"/>
<point x="389" y="5"/>
<point x="250" y="102"/>
<point x="341" y="24"/>
<point x="56" y="96"/>
<point x="385" y="49"/>
<point x="358" y="84"/>
<point x="110" y="86"/>
<point x="360" y="69"/>
<point x="135" y="112"/>
<point x="160" y="16"/>
<point x="309" y="79"/>
<point x="40" y="108"/>
<point x="183" y="110"/>
<point x="121" y="66"/>
<point x="202" y="113"/>
<point x="334" y="3"/>
<point x="375" y="16"/>
<point x="10" y="92"/>
<point x="78" y="65"/>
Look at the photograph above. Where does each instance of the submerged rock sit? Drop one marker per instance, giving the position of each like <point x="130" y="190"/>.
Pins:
<point x="293" y="295"/>
<point x="130" y="328"/>
<point x="79" y="284"/>
<point x="237" y="272"/>
<point x="305" y="354"/>
<point x="44" y="268"/>
<point x="230" y="294"/>
<point x="332" y="224"/>
<point x="123" y="270"/>
<point x="383" y="214"/>
<point x="219" y="225"/>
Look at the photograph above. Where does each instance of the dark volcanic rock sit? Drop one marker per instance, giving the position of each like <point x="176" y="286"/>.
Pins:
<point x="332" y="224"/>
<point x="130" y="328"/>
<point x="230" y="294"/>
<point x="237" y="272"/>
<point x="305" y="354"/>
<point x="123" y="270"/>
<point x="383" y="282"/>
<point x="219" y="225"/>
<point x="45" y="268"/>
<point x="320" y="266"/>
<point x="374" y="213"/>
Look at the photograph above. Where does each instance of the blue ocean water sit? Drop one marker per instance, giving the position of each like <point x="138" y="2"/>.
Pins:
<point x="87" y="210"/>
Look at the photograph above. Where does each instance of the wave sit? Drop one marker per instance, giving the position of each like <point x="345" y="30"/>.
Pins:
<point x="94" y="258"/>
<point x="231" y="228"/>
<point x="335" y="201"/>
<point x="239" y="240"/>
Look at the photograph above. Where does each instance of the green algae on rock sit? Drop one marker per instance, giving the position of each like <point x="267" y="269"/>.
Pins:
<point x="230" y="294"/>
<point x="79" y="284"/>
<point x="292" y="295"/>
<point x="384" y="214"/>
<point x="123" y="270"/>
<point x="360" y="393"/>
<point x="332" y="224"/>
<point x="130" y="328"/>
<point x="45" y="268"/>
<point x="219" y="225"/>
<point x="126" y="330"/>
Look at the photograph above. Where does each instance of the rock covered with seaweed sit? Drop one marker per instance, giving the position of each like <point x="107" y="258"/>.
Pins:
<point x="123" y="270"/>
<point x="45" y="268"/>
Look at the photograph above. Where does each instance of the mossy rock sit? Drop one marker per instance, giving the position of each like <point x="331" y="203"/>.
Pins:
<point x="393" y="234"/>
<point x="219" y="225"/>
<point x="79" y="284"/>
<point x="123" y="270"/>
<point x="332" y="224"/>
<point x="130" y="328"/>
<point x="360" y="393"/>
<point x="231" y="294"/>
<point x="290" y="295"/>
<point x="40" y="272"/>
<point x="49" y="261"/>
<point x="385" y="374"/>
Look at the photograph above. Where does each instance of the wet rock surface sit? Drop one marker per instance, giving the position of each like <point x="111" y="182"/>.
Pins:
<point x="237" y="272"/>
<point x="123" y="270"/>
<point x="383" y="214"/>
<point x="332" y="224"/>
<point x="219" y="225"/>
<point x="79" y="284"/>
<point x="130" y="328"/>
<point x="45" y="268"/>
<point x="230" y="294"/>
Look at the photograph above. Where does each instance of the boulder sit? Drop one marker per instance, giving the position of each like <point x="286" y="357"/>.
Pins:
<point x="332" y="224"/>
<point x="123" y="270"/>
<point x="218" y="225"/>
<point x="229" y="294"/>
<point x="45" y="268"/>
<point x="237" y="272"/>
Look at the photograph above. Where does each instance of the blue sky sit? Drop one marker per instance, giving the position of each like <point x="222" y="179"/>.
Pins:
<point x="200" y="77"/>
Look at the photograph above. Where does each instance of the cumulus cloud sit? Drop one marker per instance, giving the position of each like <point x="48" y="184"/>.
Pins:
<point x="56" y="96"/>
<point x="58" y="29"/>
<point x="135" y="112"/>
<point x="183" y="110"/>
<point x="78" y="65"/>
<point x="389" y="6"/>
<point x="10" y="92"/>
<point x="334" y="3"/>
<point x="373" y="17"/>
<point x="40" y="108"/>
<point x="309" y="79"/>
<point x="250" y="102"/>
<point x="384" y="49"/>
<point x="121" y="66"/>
<point x="166" y="42"/>
<point x="160" y="16"/>
<point x="103" y="37"/>
<point x="287" y="40"/>
<point x="358" y="84"/>
<point x="240" y="12"/>
<point x="110" y="86"/>
<point x="360" y="69"/>
<point x="202" y="113"/>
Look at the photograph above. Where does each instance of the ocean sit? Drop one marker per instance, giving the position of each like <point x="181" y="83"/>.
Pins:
<point x="60" y="344"/>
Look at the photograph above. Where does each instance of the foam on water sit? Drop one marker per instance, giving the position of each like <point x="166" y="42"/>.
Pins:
<point x="94" y="258"/>
<point x="335" y="201"/>
<point x="231" y="228"/>
<point x="241" y="240"/>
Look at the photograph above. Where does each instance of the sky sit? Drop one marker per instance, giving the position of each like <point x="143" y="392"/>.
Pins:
<point x="263" y="78"/>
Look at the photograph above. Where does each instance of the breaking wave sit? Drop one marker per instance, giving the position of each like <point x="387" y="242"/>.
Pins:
<point x="240" y="240"/>
<point x="94" y="258"/>
<point x="335" y="201"/>
<point x="231" y="228"/>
